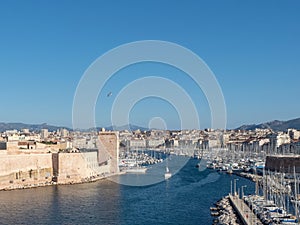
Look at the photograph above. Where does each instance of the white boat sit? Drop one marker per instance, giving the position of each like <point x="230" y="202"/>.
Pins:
<point x="136" y="170"/>
<point x="168" y="174"/>
<point x="127" y="163"/>
<point x="130" y="165"/>
<point x="229" y="170"/>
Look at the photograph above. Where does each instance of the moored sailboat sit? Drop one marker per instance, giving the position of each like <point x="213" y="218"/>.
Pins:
<point x="168" y="174"/>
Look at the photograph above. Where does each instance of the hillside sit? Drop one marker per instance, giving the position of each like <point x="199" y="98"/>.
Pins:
<point x="275" y="125"/>
<point x="31" y="127"/>
<point x="37" y="127"/>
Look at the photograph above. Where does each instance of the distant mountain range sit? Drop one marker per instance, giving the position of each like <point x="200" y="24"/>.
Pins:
<point x="31" y="127"/>
<point x="37" y="127"/>
<point x="126" y="127"/>
<point x="275" y="125"/>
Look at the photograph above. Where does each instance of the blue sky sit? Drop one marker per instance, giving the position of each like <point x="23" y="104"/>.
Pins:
<point x="252" y="47"/>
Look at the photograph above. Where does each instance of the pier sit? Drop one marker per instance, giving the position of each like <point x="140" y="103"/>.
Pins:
<point x="243" y="211"/>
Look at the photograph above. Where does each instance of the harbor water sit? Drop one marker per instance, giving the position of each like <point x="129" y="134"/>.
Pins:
<point x="185" y="198"/>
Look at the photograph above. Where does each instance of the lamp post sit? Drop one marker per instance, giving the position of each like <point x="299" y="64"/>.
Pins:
<point x="243" y="190"/>
<point x="235" y="186"/>
<point x="238" y="198"/>
<point x="243" y="197"/>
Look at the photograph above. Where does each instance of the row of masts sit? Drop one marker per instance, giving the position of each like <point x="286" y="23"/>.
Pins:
<point x="284" y="192"/>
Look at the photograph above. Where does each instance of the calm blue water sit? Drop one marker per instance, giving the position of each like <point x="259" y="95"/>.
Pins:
<point x="184" y="199"/>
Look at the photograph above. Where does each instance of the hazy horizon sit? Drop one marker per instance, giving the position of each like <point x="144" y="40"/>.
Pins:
<point x="142" y="126"/>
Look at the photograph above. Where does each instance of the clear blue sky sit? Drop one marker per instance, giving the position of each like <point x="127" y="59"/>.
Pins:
<point x="252" y="47"/>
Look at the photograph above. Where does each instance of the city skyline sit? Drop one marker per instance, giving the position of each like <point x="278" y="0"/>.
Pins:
<point x="252" y="48"/>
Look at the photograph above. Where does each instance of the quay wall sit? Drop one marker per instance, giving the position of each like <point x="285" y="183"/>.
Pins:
<point x="108" y="146"/>
<point x="283" y="163"/>
<point x="238" y="211"/>
<point x="243" y="211"/>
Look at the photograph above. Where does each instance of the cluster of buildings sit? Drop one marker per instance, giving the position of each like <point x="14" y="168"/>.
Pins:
<point x="235" y="140"/>
<point x="264" y="140"/>
<point x="45" y="141"/>
<point x="64" y="140"/>
<point x="163" y="139"/>
<point x="39" y="158"/>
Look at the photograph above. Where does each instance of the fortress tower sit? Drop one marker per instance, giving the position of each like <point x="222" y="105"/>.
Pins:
<point x="108" y="150"/>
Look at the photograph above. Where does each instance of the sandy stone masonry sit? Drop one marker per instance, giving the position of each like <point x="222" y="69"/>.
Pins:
<point x="108" y="150"/>
<point x="32" y="168"/>
<point x="17" y="171"/>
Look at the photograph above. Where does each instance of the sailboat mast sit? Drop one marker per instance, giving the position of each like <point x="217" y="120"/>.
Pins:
<point x="295" y="194"/>
<point x="256" y="182"/>
<point x="265" y="184"/>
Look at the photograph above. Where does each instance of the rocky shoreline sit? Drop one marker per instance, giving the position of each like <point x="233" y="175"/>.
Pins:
<point x="225" y="213"/>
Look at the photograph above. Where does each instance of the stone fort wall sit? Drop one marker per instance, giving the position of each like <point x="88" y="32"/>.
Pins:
<point x="78" y="167"/>
<point x="25" y="170"/>
<point x="285" y="164"/>
<point x="33" y="168"/>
